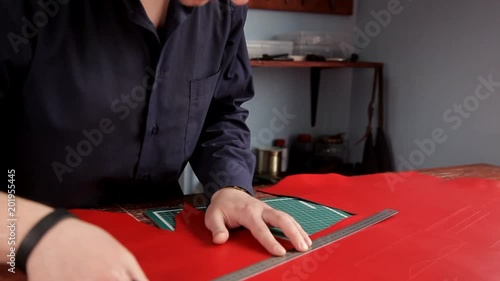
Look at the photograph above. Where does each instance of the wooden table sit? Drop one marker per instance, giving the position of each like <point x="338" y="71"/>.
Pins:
<point x="137" y="210"/>
<point x="484" y="171"/>
<point x="478" y="170"/>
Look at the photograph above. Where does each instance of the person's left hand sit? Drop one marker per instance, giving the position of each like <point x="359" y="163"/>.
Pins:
<point x="231" y="208"/>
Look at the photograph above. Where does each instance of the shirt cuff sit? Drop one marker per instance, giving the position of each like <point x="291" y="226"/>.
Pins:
<point x="223" y="174"/>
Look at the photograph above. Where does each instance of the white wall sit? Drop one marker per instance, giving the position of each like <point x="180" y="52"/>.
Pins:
<point x="277" y="88"/>
<point x="265" y="24"/>
<point x="434" y="53"/>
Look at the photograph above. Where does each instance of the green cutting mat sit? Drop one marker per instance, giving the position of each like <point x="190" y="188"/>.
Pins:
<point x="311" y="216"/>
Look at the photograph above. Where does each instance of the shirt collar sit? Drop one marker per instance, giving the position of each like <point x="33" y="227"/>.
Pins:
<point x="176" y="15"/>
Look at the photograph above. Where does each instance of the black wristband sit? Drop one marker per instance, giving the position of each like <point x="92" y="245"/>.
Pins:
<point x="36" y="233"/>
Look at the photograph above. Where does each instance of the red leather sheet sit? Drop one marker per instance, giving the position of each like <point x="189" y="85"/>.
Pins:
<point x="445" y="231"/>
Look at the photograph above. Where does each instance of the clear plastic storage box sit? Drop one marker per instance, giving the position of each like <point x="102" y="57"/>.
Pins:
<point x="311" y="38"/>
<point x="317" y="43"/>
<point x="319" y="50"/>
<point x="258" y="48"/>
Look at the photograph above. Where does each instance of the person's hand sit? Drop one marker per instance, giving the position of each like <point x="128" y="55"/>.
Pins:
<point x="203" y="2"/>
<point x="231" y="208"/>
<point x="75" y="250"/>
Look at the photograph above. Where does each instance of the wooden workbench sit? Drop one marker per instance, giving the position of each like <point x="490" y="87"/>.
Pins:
<point x="137" y="210"/>
<point x="478" y="170"/>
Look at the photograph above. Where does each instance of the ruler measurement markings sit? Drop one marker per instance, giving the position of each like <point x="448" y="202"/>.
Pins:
<point x="273" y="262"/>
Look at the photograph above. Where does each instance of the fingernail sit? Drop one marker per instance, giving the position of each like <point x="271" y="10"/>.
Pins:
<point x="309" y="241"/>
<point x="303" y="245"/>
<point x="279" y="250"/>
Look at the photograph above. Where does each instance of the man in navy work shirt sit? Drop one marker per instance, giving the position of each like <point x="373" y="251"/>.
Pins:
<point x="106" y="101"/>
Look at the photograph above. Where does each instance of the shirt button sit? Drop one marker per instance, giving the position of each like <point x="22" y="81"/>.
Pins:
<point x="154" y="130"/>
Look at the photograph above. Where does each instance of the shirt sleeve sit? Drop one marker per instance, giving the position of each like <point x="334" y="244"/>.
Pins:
<point x="223" y="156"/>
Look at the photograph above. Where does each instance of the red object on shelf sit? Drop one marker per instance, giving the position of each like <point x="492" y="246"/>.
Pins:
<point x="445" y="230"/>
<point x="279" y="143"/>
<point x="304" y="138"/>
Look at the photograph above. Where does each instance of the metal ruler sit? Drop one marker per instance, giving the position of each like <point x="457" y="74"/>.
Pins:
<point x="273" y="262"/>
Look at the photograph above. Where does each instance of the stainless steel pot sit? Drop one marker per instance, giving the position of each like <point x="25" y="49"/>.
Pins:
<point x="269" y="161"/>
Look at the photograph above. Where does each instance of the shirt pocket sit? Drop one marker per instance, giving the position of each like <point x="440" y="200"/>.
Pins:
<point x="202" y="88"/>
<point x="201" y="92"/>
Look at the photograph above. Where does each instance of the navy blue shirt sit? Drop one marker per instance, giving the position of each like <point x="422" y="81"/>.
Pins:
<point x="98" y="105"/>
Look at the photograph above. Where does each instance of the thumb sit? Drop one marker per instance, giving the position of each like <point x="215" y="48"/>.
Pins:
<point x="135" y="271"/>
<point x="214" y="221"/>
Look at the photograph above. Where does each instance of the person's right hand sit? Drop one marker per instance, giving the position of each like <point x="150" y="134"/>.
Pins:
<point x="76" y="250"/>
